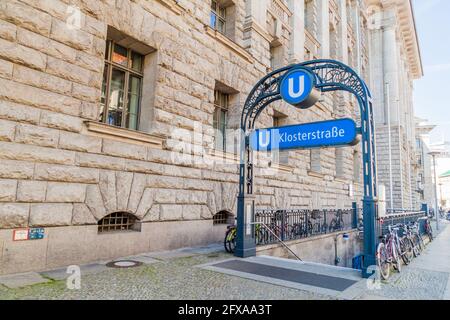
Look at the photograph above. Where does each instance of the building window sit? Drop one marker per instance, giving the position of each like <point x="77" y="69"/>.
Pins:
<point x="277" y="156"/>
<point x="218" y="17"/>
<point x="418" y="144"/>
<point x="118" y="221"/>
<point x="310" y="16"/>
<point x="276" y="56"/>
<point x="221" y="218"/>
<point x="122" y="86"/>
<point x="315" y="164"/>
<point x="356" y="167"/>
<point x="340" y="170"/>
<point x="221" y="103"/>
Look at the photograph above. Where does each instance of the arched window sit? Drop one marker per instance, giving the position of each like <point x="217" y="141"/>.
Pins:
<point x="222" y="217"/>
<point x="118" y="221"/>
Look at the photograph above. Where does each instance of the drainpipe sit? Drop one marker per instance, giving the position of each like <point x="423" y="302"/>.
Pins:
<point x="388" y="120"/>
<point x="337" y="259"/>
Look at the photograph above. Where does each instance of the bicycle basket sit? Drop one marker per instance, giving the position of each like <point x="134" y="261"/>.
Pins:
<point x="316" y="214"/>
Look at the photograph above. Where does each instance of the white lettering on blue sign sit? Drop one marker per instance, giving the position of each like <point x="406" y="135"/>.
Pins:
<point x="309" y="135"/>
<point x="301" y="87"/>
<point x="296" y="86"/>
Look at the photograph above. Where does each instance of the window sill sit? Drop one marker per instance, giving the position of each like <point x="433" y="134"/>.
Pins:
<point x="315" y="174"/>
<point x="172" y="5"/>
<point x="340" y="179"/>
<point x="282" y="167"/>
<point x="104" y="130"/>
<point x="229" y="43"/>
<point x="222" y="154"/>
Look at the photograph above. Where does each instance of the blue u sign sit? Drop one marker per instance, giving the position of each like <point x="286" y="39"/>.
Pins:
<point x="309" y="135"/>
<point x="296" y="87"/>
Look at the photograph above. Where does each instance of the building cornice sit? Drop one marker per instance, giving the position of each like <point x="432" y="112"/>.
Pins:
<point x="407" y="32"/>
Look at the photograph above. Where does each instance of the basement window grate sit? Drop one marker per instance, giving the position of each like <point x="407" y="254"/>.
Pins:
<point x="221" y="218"/>
<point x="117" y="221"/>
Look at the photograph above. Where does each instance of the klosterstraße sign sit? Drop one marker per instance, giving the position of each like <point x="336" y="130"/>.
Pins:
<point x="339" y="132"/>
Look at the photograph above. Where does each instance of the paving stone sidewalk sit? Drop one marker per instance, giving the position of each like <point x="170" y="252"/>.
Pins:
<point x="164" y="275"/>
<point x="176" y="275"/>
<point x="427" y="277"/>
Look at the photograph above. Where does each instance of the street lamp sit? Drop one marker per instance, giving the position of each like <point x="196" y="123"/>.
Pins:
<point x="435" y="154"/>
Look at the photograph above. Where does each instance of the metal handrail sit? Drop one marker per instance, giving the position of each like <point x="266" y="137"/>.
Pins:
<point x="278" y="238"/>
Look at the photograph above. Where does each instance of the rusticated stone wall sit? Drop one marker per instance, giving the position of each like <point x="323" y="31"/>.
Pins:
<point x="57" y="170"/>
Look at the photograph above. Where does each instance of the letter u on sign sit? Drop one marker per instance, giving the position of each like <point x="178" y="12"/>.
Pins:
<point x="264" y="139"/>
<point x="296" y="86"/>
<point x="300" y="86"/>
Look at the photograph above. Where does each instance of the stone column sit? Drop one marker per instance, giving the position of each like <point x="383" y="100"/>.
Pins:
<point x="343" y="31"/>
<point x="392" y="77"/>
<point x="297" y="45"/>
<point x="257" y="9"/>
<point x="390" y="64"/>
<point x="324" y="29"/>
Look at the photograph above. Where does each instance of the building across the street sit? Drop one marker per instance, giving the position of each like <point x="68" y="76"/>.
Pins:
<point x="395" y="64"/>
<point x="424" y="183"/>
<point x="444" y="190"/>
<point x="118" y="118"/>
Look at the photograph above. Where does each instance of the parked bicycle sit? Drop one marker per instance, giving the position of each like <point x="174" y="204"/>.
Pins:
<point x="261" y="236"/>
<point x="389" y="253"/>
<point x="428" y="229"/>
<point x="395" y="248"/>
<point x="337" y="223"/>
<point x="413" y="235"/>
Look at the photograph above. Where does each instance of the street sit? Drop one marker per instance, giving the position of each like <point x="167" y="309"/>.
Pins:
<point x="177" y="275"/>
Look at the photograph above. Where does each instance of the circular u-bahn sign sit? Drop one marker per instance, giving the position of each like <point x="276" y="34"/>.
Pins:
<point x="297" y="88"/>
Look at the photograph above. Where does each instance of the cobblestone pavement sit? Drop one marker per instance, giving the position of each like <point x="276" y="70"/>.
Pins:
<point x="174" y="275"/>
<point x="171" y="278"/>
<point x="427" y="277"/>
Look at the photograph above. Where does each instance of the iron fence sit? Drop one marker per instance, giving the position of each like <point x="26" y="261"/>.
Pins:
<point x="300" y="223"/>
<point x="404" y="217"/>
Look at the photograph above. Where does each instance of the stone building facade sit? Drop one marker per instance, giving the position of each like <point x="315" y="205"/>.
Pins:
<point x="425" y="184"/>
<point x="395" y="63"/>
<point x="117" y="118"/>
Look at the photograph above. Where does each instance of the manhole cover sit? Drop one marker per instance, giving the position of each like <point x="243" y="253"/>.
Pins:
<point x="123" y="264"/>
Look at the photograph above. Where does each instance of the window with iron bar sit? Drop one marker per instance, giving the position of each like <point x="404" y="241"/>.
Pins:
<point x="122" y="86"/>
<point x="218" y="17"/>
<point x="117" y="221"/>
<point x="221" y="103"/>
<point x="221" y="218"/>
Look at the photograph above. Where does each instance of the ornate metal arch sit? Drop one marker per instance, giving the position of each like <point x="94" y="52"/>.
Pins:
<point x="330" y="75"/>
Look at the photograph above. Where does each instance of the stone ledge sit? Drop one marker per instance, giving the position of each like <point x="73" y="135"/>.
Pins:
<point x="229" y="43"/>
<point x="104" y="130"/>
<point x="251" y="24"/>
<point x="301" y="240"/>
<point x="342" y="180"/>
<point x="172" y="5"/>
<point x="282" y="167"/>
<point x="222" y="155"/>
<point x="315" y="174"/>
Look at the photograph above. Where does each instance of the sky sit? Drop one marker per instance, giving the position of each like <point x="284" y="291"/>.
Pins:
<point x="432" y="92"/>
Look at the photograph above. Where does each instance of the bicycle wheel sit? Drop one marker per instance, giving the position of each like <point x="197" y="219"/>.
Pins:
<point x="225" y="241"/>
<point x="261" y="236"/>
<point x="382" y="261"/>
<point x="407" y="252"/>
<point x="421" y="243"/>
<point x="396" y="260"/>
<point x="232" y="243"/>
<point x="415" y="245"/>
<point x="333" y="225"/>
<point x="231" y="240"/>
<point x="430" y="232"/>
